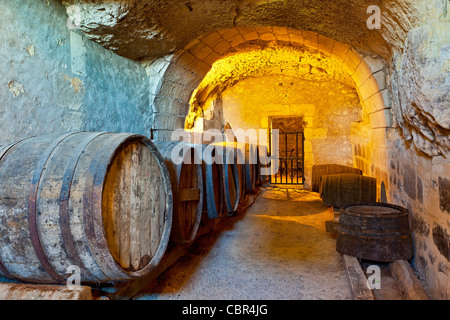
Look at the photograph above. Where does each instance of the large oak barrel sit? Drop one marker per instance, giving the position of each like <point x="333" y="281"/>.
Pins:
<point x="185" y="169"/>
<point x="328" y="169"/>
<point x="377" y="232"/>
<point x="243" y="167"/>
<point x="232" y="175"/>
<point x="212" y="182"/>
<point x="100" y="202"/>
<point x="251" y="167"/>
<point x="338" y="190"/>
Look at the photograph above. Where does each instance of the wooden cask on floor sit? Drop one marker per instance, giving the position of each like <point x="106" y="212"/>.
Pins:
<point x="328" y="169"/>
<point x="233" y="175"/>
<point x="376" y="231"/>
<point x="183" y="163"/>
<point x="250" y="152"/>
<point x="338" y="190"/>
<point x="99" y="202"/>
<point x="212" y="181"/>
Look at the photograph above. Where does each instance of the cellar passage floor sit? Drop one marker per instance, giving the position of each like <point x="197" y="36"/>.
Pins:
<point x="277" y="249"/>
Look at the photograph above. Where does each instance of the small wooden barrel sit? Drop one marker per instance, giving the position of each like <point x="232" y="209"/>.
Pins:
<point x="247" y="156"/>
<point x="376" y="232"/>
<point x="251" y="167"/>
<point x="183" y="162"/>
<point x="231" y="176"/>
<point x="213" y="184"/>
<point x="242" y="175"/>
<point x="243" y="167"/>
<point x="338" y="190"/>
<point x="328" y="169"/>
<point x="99" y="202"/>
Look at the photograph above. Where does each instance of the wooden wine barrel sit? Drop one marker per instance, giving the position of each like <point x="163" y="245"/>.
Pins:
<point x="243" y="166"/>
<point x="376" y="232"/>
<point x="101" y="202"/>
<point x="251" y="167"/>
<point x="338" y="190"/>
<point x="263" y="166"/>
<point x="231" y="176"/>
<point x="258" y="167"/>
<point x="213" y="184"/>
<point x="328" y="169"/>
<point x="185" y="169"/>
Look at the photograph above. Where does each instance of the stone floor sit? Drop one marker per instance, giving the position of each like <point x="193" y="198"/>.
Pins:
<point x="278" y="249"/>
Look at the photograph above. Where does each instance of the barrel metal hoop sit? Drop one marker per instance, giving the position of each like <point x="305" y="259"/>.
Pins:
<point x="4" y="150"/>
<point x="32" y="214"/>
<point x="64" y="212"/>
<point x="367" y="233"/>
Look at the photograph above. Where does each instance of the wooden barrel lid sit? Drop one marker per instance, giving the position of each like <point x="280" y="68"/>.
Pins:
<point x="133" y="207"/>
<point x="375" y="209"/>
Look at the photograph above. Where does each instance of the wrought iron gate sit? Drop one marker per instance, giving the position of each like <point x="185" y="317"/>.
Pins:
<point x="290" y="155"/>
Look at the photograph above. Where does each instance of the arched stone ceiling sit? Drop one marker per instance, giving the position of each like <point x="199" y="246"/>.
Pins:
<point x="148" y="29"/>
<point x="215" y="61"/>
<point x="412" y="40"/>
<point x="257" y="60"/>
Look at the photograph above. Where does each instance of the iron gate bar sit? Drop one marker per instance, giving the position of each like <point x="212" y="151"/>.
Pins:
<point x="284" y="161"/>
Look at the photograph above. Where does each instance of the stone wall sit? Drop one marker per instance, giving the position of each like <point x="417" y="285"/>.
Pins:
<point x="54" y="80"/>
<point x="422" y="185"/>
<point x="418" y="150"/>
<point x="328" y="109"/>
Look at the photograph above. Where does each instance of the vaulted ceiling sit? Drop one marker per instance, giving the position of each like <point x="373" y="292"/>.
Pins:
<point x="148" y="29"/>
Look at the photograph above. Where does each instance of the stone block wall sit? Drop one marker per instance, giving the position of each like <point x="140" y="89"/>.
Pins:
<point x="54" y="80"/>
<point x="421" y="184"/>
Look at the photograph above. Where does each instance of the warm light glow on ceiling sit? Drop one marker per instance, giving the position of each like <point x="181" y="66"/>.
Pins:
<point x="254" y="61"/>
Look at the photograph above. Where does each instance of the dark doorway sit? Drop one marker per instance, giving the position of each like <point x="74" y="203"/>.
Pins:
<point x="286" y="135"/>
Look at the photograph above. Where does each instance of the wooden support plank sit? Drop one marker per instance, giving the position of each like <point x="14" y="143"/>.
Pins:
<point x="407" y="283"/>
<point x="357" y="279"/>
<point x="192" y="194"/>
<point x="128" y="290"/>
<point x="22" y="291"/>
